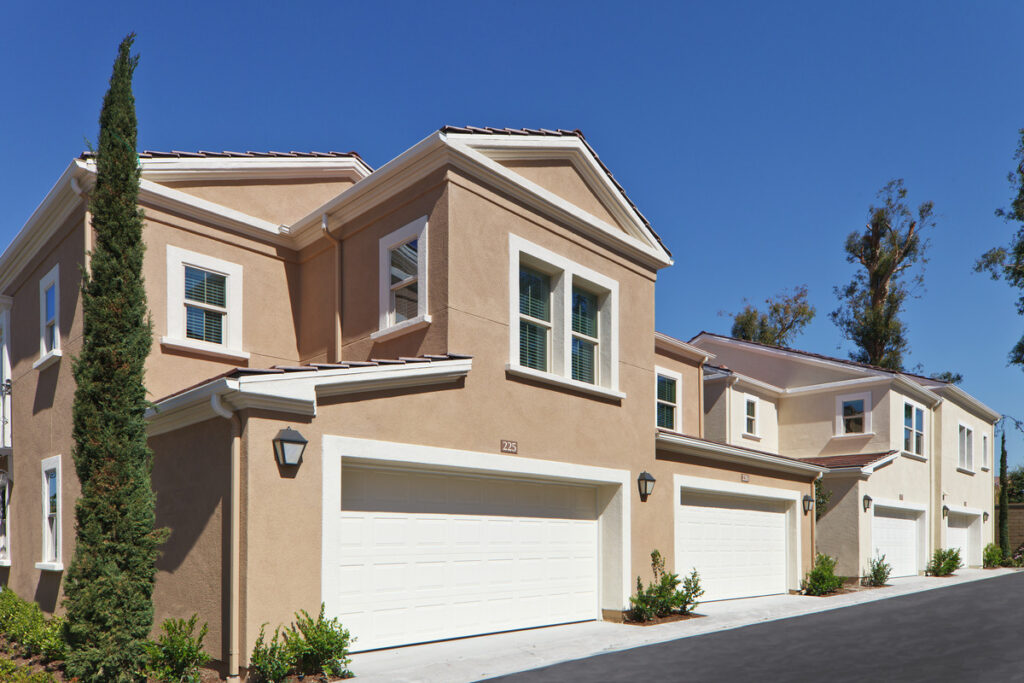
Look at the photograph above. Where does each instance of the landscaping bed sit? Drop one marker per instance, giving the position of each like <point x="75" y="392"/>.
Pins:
<point x="660" y="620"/>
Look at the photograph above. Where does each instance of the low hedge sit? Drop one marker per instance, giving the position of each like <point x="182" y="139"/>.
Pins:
<point x="25" y="626"/>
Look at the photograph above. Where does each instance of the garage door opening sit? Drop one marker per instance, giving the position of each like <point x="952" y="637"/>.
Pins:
<point x="417" y="556"/>
<point x="898" y="534"/>
<point x="963" y="531"/>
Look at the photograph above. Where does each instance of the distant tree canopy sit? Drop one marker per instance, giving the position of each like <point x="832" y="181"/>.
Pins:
<point x="1008" y="262"/>
<point x="783" y="319"/>
<point x="887" y="250"/>
<point x="948" y="376"/>
<point x="1015" y="484"/>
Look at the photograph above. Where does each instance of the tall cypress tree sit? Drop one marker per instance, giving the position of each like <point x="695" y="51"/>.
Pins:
<point x="1004" y="501"/>
<point x="109" y="586"/>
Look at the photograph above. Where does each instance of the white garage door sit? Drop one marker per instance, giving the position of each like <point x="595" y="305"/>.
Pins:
<point x="894" y="534"/>
<point x="738" y="545"/>
<point x="960" y="533"/>
<point x="416" y="556"/>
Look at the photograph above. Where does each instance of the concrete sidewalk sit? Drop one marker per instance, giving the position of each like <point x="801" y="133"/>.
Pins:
<point x="473" y="659"/>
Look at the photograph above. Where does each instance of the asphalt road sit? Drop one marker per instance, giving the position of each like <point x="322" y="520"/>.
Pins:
<point x="967" y="632"/>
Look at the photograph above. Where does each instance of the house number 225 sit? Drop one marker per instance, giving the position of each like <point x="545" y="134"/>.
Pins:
<point x="509" y="446"/>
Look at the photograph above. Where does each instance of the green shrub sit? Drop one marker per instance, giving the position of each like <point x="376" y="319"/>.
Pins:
<point x="23" y="623"/>
<point x="993" y="555"/>
<point x="879" y="572"/>
<point x="318" y="645"/>
<point x="822" y="579"/>
<point x="178" y="653"/>
<point x="270" y="661"/>
<point x="10" y="672"/>
<point x="944" y="562"/>
<point x="663" y="596"/>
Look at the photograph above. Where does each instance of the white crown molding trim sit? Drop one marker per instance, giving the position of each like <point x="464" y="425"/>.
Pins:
<point x="163" y="197"/>
<point x="680" y="443"/>
<point x="253" y="168"/>
<point x="664" y="342"/>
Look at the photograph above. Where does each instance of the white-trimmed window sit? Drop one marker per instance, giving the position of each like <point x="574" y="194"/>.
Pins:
<point x="5" y="374"/>
<point x="853" y="414"/>
<point x="913" y="429"/>
<point x="51" y="500"/>
<point x="5" y="523"/>
<point x="750" y="415"/>
<point x="564" y="320"/>
<point x="667" y="399"/>
<point x="403" y="279"/>
<point x="49" y="318"/>
<point x="204" y="304"/>
<point x="966" y="448"/>
<point x="984" y="451"/>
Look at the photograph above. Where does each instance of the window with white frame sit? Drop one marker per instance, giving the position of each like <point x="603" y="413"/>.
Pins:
<point x="966" y="448"/>
<point x="853" y="414"/>
<point x="750" y="415"/>
<point x="49" y="313"/>
<point x="564" y="319"/>
<point x="5" y="511"/>
<point x="913" y="428"/>
<point x="5" y="375"/>
<point x="984" y="451"/>
<point x="51" y="499"/>
<point x="667" y="399"/>
<point x="403" y="278"/>
<point x="204" y="302"/>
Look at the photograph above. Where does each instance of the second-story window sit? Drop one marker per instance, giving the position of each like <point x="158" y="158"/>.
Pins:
<point x="984" y="451"/>
<point x="49" y="315"/>
<point x="966" y="448"/>
<point x="913" y="429"/>
<point x="205" y="305"/>
<point x="584" y="336"/>
<point x="853" y="414"/>
<point x="750" y="416"/>
<point x="534" y="319"/>
<point x="403" y="279"/>
<point x="667" y="399"/>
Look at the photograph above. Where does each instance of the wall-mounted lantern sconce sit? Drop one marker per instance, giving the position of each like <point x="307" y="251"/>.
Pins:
<point x="645" y="482"/>
<point x="984" y="516"/>
<point x="867" y="503"/>
<point x="808" y="504"/>
<point x="288" y="446"/>
<point x="945" y="511"/>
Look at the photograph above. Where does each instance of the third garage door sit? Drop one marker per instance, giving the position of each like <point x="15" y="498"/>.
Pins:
<point x="894" y="534"/>
<point x="738" y="545"/>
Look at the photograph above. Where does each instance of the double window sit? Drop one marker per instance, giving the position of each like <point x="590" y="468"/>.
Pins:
<point x="204" y="304"/>
<point x="667" y="399"/>
<point x="563" y="318"/>
<point x="51" y="499"/>
<point x="913" y="429"/>
<point x="966" y="448"/>
<point x="853" y="414"/>
<point x="403" y="279"/>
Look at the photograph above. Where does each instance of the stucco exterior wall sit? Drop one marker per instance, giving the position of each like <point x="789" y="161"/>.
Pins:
<point x="807" y="425"/>
<point x="839" y="529"/>
<point x="963" y="487"/>
<point x="766" y="437"/>
<point x="282" y="201"/>
<point x="689" y="390"/>
<point x="716" y="411"/>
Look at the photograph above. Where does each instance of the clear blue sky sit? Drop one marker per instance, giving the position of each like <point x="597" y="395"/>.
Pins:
<point x="753" y="136"/>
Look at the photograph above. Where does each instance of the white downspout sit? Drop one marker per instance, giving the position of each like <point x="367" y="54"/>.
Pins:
<point x="336" y="296"/>
<point x="233" y="598"/>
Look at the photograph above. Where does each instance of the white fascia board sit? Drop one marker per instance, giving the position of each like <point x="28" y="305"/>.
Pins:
<point x="973" y="512"/>
<point x="236" y="168"/>
<point x="969" y="403"/>
<point x="186" y="408"/>
<point x="870" y="468"/>
<point x="840" y="385"/>
<point x="175" y="200"/>
<point x="742" y="380"/>
<point x="799" y="357"/>
<point x="680" y="443"/>
<point x="688" y="350"/>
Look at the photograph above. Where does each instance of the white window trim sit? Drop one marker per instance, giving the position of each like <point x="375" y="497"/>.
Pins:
<point x="866" y="397"/>
<point x="5" y="374"/>
<point x="416" y="230"/>
<point x="756" y="434"/>
<point x="48" y="358"/>
<point x="566" y="274"/>
<point x="967" y="466"/>
<point x="231" y="349"/>
<point x="5" y="556"/>
<point x="985" y="466"/>
<point x="926" y="419"/>
<point x="57" y="564"/>
<point x="677" y="408"/>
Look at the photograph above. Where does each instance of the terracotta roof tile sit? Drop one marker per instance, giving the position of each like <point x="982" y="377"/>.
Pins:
<point x="204" y="154"/>
<point x="662" y="430"/>
<point x="848" y="460"/>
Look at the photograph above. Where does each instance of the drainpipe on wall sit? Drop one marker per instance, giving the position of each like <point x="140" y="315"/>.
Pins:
<point x="76" y="187"/>
<point x="728" y="407"/>
<point x="336" y="298"/>
<point x="700" y="399"/>
<point x="235" y="559"/>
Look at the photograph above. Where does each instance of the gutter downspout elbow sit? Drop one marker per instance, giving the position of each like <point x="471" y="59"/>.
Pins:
<point x="236" y="470"/>
<point x="336" y="294"/>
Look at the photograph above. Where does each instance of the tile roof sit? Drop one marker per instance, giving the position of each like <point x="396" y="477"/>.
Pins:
<point x="559" y="132"/>
<point x="204" y="154"/>
<point x="670" y="432"/>
<point x="236" y="373"/>
<point x="850" y="460"/>
<point x="819" y="356"/>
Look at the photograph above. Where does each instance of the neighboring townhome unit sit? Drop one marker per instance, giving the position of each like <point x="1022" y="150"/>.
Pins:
<point x="430" y="396"/>
<point x="909" y="458"/>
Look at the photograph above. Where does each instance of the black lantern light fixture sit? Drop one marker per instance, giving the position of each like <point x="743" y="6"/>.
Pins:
<point x="645" y="482"/>
<point x="945" y="511"/>
<point x="808" y="504"/>
<point x="984" y="516"/>
<point x="288" y="447"/>
<point x="867" y="503"/>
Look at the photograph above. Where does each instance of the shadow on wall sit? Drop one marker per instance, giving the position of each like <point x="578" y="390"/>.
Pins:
<point x="46" y="388"/>
<point x="47" y="590"/>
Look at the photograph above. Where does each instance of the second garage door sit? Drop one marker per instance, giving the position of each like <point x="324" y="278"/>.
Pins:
<point x="894" y="534"/>
<point x="421" y="556"/>
<point x="738" y="545"/>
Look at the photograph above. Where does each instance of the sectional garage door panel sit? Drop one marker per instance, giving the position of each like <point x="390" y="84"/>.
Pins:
<point x="461" y="556"/>
<point x="737" y="544"/>
<point x="894" y="534"/>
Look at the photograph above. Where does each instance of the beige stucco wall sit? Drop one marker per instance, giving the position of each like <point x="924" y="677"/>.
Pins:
<point x="807" y="425"/>
<point x="716" y="411"/>
<point x="689" y="390"/>
<point x="766" y="437"/>
<point x="839" y="529"/>
<point x="281" y="201"/>
<point x="561" y="177"/>
<point x="960" y="487"/>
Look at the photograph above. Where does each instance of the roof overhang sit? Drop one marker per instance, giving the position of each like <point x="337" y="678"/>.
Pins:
<point x="864" y="471"/>
<point x="663" y="342"/>
<point x="688" y="445"/>
<point x="969" y="403"/>
<point x="295" y="393"/>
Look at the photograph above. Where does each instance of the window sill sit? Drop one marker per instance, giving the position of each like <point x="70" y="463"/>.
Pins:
<point x="852" y="436"/>
<point x="5" y="562"/>
<point x="204" y="348"/>
<point x="985" y="469"/>
<point x="965" y="470"/>
<point x="404" y="327"/>
<point x="754" y="437"/>
<point x="47" y="360"/>
<point x="913" y="456"/>
<point x="50" y="566"/>
<point x="558" y="380"/>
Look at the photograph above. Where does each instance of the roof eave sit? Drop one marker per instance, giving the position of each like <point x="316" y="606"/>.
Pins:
<point x="679" y="443"/>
